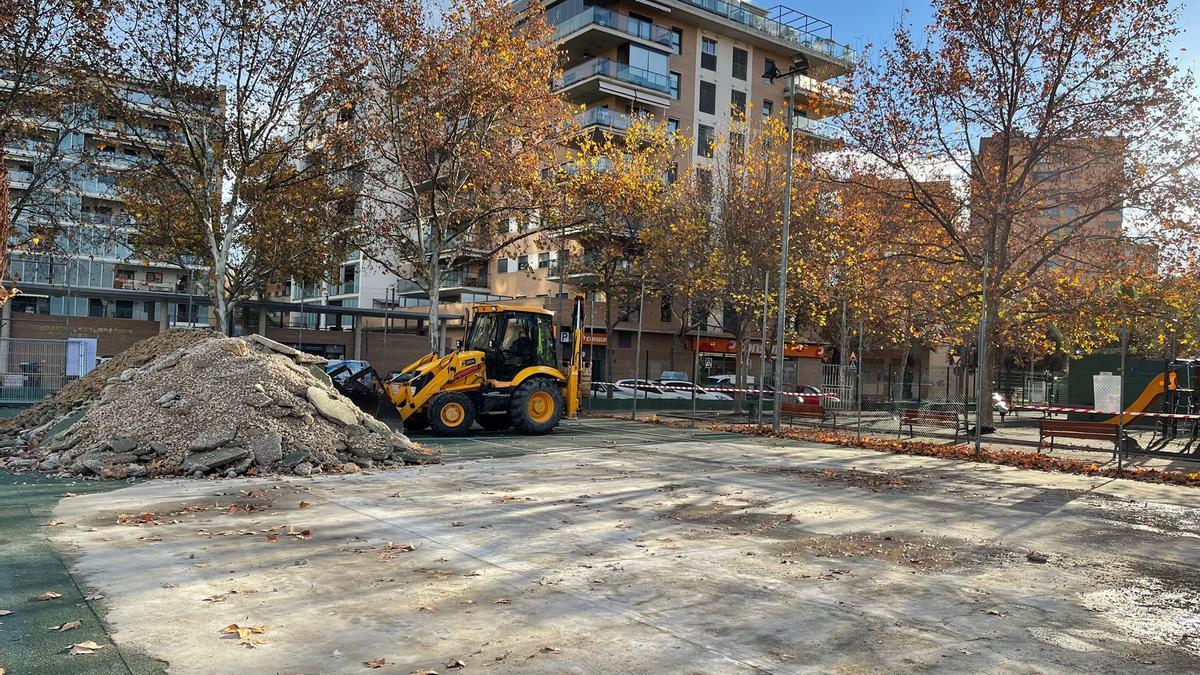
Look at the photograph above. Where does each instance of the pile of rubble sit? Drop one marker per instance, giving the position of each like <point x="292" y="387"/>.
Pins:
<point x="212" y="406"/>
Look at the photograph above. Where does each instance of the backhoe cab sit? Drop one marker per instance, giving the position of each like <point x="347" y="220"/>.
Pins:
<point x="505" y="375"/>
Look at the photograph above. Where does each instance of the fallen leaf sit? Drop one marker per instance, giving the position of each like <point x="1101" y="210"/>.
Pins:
<point x="995" y="612"/>
<point x="220" y="597"/>
<point x="70" y="625"/>
<point x="49" y="595"/>
<point x="93" y="596"/>
<point x="68" y="494"/>
<point x="272" y="537"/>
<point x="170" y="586"/>
<point x="5" y="612"/>
<point x="457" y="523"/>
<point x="305" y="505"/>
<point x="550" y="650"/>
<point x="242" y="632"/>
<point x="501" y="601"/>
<point x="250" y="643"/>
<point x="375" y="663"/>
<point x="200" y="566"/>
<point x="53" y="523"/>
<point x="456" y="663"/>
<point x="424" y="672"/>
<point x="2" y="670"/>
<point x="87" y="647"/>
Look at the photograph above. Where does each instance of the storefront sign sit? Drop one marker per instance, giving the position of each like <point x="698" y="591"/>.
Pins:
<point x="728" y="346"/>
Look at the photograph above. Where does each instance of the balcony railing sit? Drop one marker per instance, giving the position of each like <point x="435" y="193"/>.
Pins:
<point x="618" y="71"/>
<point x="818" y="128"/>
<point x="600" y="16"/>
<point x="449" y="280"/>
<point x="603" y="117"/>
<point x="799" y="35"/>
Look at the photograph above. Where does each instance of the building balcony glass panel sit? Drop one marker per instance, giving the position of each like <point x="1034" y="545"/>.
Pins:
<point x="605" y="119"/>
<point x="450" y="281"/>
<point x="601" y="68"/>
<point x="818" y="129"/>
<point x="619" y="23"/>
<point x="800" y="29"/>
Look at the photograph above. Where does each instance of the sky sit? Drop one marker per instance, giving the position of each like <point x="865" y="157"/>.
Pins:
<point x="862" y="22"/>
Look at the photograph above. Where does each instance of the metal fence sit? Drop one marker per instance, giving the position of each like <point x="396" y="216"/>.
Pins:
<point x="34" y="369"/>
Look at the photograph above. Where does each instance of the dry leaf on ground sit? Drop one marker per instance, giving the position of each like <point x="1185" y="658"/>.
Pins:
<point x="93" y="596"/>
<point x="49" y="595"/>
<point x="86" y="647"/>
<point x="550" y="650"/>
<point x="70" y="625"/>
<point x="53" y="523"/>
<point x="219" y="597"/>
<point x="305" y="505"/>
<point x="456" y="663"/>
<point x="501" y="601"/>
<point x="375" y="663"/>
<point x="5" y="612"/>
<point x="272" y="537"/>
<point x="242" y="632"/>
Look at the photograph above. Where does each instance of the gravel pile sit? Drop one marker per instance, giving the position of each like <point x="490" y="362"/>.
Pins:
<point x="211" y="406"/>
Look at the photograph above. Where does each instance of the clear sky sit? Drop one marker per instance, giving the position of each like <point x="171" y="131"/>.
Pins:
<point x="862" y="22"/>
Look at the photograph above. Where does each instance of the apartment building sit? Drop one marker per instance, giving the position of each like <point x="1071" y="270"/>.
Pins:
<point x="691" y="63"/>
<point x="688" y="62"/>
<point x="80" y="277"/>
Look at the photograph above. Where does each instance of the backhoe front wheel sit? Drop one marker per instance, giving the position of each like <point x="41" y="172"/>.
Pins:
<point x="417" y="421"/>
<point x="451" y="414"/>
<point x="536" y="406"/>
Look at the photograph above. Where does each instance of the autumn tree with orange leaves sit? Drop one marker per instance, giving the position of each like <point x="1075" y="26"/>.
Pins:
<point x="615" y="194"/>
<point x="457" y="118"/>
<point x="1051" y="118"/>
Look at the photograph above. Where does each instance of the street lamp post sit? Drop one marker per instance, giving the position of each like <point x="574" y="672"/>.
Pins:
<point x="800" y="67"/>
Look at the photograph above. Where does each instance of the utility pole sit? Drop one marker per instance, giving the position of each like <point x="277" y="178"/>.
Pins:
<point x="762" y="360"/>
<point x="798" y="68"/>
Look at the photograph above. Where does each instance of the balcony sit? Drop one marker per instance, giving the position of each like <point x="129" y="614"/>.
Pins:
<point x="793" y="28"/>
<point x="818" y="130"/>
<point x="601" y="77"/>
<point x="822" y="95"/>
<point x="603" y="119"/>
<point x="595" y="30"/>
<point x="451" y="281"/>
<point x="98" y="189"/>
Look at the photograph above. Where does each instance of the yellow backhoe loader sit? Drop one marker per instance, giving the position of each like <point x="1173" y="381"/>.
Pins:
<point x="505" y="375"/>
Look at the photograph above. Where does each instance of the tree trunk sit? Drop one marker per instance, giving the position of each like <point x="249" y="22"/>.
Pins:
<point x="609" y="324"/>
<point x="434" y="293"/>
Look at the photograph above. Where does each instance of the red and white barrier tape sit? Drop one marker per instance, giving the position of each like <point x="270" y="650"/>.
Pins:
<point x="1090" y="411"/>
<point x="722" y="390"/>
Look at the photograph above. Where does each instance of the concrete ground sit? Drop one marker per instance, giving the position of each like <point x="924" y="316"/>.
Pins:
<point x="612" y="547"/>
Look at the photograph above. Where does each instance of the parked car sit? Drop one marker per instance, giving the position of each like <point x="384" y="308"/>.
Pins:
<point x="673" y="375"/>
<point x="648" y="390"/>
<point x="606" y="390"/>
<point x="341" y="369"/>
<point x="810" y="394"/>
<point x="686" y="388"/>
<point x="727" y="380"/>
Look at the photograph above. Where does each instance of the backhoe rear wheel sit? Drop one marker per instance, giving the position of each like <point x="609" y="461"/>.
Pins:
<point x="536" y="406"/>
<point x="451" y="414"/>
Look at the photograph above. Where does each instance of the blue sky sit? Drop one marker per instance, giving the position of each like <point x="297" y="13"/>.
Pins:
<point x="862" y="22"/>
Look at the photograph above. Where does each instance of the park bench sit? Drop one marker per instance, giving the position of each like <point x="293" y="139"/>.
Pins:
<point x="810" y="411"/>
<point x="937" y="419"/>
<point x="1099" y="431"/>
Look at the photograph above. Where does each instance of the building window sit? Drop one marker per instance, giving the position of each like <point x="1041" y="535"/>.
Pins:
<point x="768" y="107"/>
<point x="708" y="54"/>
<point x="640" y="26"/>
<point x="704" y="141"/>
<point x="740" y="58"/>
<point x="543" y="261"/>
<point x="738" y="100"/>
<point x="708" y="98"/>
<point x="677" y="40"/>
<point x="522" y="263"/>
<point x="154" y="277"/>
<point x="501" y="265"/>
<point x="769" y="69"/>
<point x="672" y="126"/>
<point x="624" y="340"/>
<point x="672" y="174"/>
<point x="664" y="310"/>
<point x="675" y="86"/>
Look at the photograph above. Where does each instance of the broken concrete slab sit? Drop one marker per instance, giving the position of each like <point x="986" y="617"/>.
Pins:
<point x="207" y="461"/>
<point x="338" y="409"/>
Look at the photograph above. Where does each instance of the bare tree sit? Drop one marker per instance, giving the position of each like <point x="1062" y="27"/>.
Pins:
<point x="250" y="178"/>
<point x="1066" y="126"/>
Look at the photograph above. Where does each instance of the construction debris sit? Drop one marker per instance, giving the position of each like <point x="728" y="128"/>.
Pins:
<point x="203" y="405"/>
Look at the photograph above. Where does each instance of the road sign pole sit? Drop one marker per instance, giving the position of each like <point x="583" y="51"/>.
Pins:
<point x="637" y="357"/>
